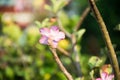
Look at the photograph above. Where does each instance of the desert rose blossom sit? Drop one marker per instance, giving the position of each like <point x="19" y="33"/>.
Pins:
<point x="51" y="36"/>
<point x="106" y="76"/>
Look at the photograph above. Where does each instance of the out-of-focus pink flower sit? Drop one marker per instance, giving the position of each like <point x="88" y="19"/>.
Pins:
<point x="51" y="36"/>
<point x="106" y="76"/>
<point x="19" y="5"/>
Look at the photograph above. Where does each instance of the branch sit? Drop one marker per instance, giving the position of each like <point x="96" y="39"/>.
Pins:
<point x="63" y="69"/>
<point x="82" y="18"/>
<point x="63" y="51"/>
<point x="75" y="62"/>
<point x="61" y="28"/>
<point x="76" y="57"/>
<point x="106" y="38"/>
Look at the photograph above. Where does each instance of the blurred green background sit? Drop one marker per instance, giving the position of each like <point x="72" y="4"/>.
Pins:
<point x="22" y="57"/>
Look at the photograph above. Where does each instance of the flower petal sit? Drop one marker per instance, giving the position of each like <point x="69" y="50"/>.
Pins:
<point x="110" y="77"/>
<point x="54" y="28"/>
<point x="104" y="75"/>
<point x="59" y="36"/>
<point x="45" y="31"/>
<point x="54" y="31"/>
<point x="43" y="40"/>
<point x="54" y="44"/>
<point x="98" y="79"/>
<point x="51" y="36"/>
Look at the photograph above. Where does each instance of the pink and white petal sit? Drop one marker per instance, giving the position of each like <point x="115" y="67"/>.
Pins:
<point x="104" y="75"/>
<point x="43" y="40"/>
<point x="59" y="36"/>
<point x="98" y="79"/>
<point x="45" y="31"/>
<point x="110" y="77"/>
<point x="54" y="28"/>
<point x="55" y="44"/>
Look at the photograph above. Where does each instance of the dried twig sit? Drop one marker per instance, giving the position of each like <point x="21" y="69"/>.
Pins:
<point x="63" y="69"/>
<point x="106" y="38"/>
<point x="63" y="51"/>
<point x="82" y="17"/>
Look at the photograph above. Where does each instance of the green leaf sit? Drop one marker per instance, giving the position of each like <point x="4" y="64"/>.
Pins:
<point x="13" y="31"/>
<point x="92" y="74"/>
<point x="94" y="61"/>
<point x="80" y="34"/>
<point x="58" y="5"/>
<point x="9" y="72"/>
<point x="18" y="71"/>
<point x="45" y="22"/>
<point x="53" y="1"/>
<point x="38" y="24"/>
<point x="79" y="78"/>
<point x="117" y="27"/>
<point x="47" y="7"/>
<point x="1" y="76"/>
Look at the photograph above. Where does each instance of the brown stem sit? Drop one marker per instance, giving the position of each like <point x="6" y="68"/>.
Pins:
<point x="82" y="17"/>
<point x="77" y="60"/>
<point x="106" y="38"/>
<point x="63" y="69"/>
<point x="63" y="51"/>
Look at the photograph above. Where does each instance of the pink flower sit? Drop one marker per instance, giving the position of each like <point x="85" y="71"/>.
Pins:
<point x="51" y="36"/>
<point x="19" y="5"/>
<point x="105" y="76"/>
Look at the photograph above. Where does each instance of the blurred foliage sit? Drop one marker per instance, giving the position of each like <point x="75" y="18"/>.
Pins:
<point x="23" y="58"/>
<point x="94" y="62"/>
<point x="56" y="5"/>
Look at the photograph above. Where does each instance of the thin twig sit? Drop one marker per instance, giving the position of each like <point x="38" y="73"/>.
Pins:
<point x="63" y="69"/>
<point x="82" y="18"/>
<point x="61" y="28"/>
<point x="73" y="39"/>
<point x="106" y="38"/>
<point x="63" y="51"/>
<point x="75" y="62"/>
<point x="76" y="57"/>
